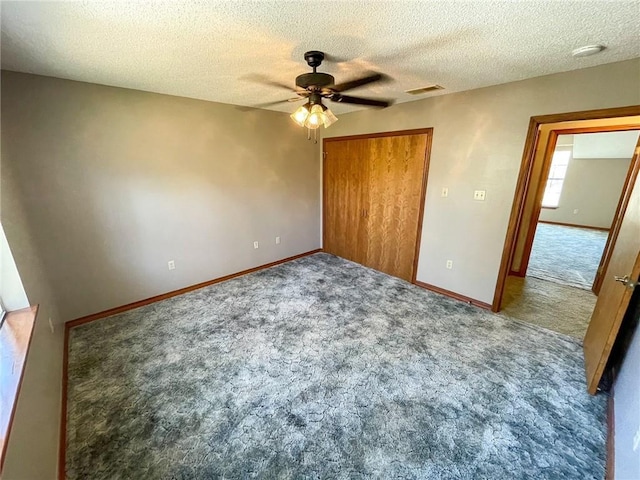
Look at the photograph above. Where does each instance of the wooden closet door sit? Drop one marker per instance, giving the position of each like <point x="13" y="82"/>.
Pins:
<point x="345" y="183"/>
<point x="396" y="175"/>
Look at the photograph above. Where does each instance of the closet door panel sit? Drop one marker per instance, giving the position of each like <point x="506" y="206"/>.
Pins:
<point x="394" y="193"/>
<point x="345" y="183"/>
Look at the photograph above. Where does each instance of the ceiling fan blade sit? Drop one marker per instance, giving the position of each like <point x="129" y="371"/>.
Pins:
<point x="361" y="101"/>
<point x="269" y="104"/>
<point x="334" y="59"/>
<point x="267" y="81"/>
<point x="358" y="82"/>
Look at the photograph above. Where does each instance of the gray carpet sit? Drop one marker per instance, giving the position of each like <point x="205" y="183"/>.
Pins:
<point x="561" y="308"/>
<point x="566" y="255"/>
<point x="321" y="368"/>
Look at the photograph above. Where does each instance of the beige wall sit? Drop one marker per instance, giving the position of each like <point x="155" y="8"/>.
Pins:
<point x="593" y="187"/>
<point x="118" y="182"/>
<point x="478" y="141"/>
<point x="33" y="443"/>
<point x="102" y="186"/>
<point x="627" y="406"/>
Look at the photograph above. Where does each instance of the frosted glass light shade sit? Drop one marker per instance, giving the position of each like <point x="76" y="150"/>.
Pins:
<point x="300" y="115"/>
<point x="329" y="118"/>
<point x="315" y="118"/>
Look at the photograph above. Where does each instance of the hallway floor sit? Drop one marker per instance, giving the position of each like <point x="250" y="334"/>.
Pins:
<point x="560" y="308"/>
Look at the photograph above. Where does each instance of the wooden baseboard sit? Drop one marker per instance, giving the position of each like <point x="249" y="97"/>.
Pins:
<point x="157" y="298"/>
<point x="451" y="294"/>
<point x="62" y="448"/>
<point x="611" y="430"/>
<point x="602" y="229"/>
<point x="514" y="273"/>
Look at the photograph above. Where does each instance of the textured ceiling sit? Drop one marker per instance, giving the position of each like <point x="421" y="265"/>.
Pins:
<point x="211" y="50"/>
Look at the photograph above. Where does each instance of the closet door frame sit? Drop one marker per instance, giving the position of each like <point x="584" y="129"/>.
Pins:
<point x="427" y="156"/>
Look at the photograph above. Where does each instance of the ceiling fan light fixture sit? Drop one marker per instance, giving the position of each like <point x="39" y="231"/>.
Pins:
<point x="300" y="115"/>
<point x="316" y="85"/>
<point x="316" y="117"/>
<point x="329" y="118"/>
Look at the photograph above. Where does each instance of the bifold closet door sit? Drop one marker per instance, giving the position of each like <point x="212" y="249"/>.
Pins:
<point x="344" y="194"/>
<point x="373" y="195"/>
<point x="396" y="168"/>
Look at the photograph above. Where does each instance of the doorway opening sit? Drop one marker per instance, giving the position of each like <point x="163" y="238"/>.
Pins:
<point x="583" y="188"/>
<point x="567" y="209"/>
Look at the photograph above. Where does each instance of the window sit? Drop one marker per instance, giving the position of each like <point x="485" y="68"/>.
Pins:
<point x="558" y="171"/>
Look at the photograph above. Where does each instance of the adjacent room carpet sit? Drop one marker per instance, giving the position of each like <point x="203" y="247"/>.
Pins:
<point x="567" y="255"/>
<point x="321" y="368"/>
<point x="561" y="308"/>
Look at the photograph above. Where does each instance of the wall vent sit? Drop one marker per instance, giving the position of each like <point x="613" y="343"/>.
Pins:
<point x="420" y="91"/>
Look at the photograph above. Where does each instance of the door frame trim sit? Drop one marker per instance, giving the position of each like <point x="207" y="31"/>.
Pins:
<point x="364" y="136"/>
<point x="525" y="177"/>
<point x="423" y="191"/>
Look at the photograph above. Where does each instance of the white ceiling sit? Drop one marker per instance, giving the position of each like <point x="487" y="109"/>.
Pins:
<point x="605" y="144"/>
<point x="210" y="50"/>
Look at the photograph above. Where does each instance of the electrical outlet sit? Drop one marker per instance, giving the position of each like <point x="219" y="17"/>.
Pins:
<point x="51" y="324"/>
<point x="171" y="264"/>
<point x="445" y="192"/>
<point x="255" y="245"/>
<point x="277" y="240"/>
<point x="449" y="264"/>
<point x="636" y="440"/>
<point x="479" y="194"/>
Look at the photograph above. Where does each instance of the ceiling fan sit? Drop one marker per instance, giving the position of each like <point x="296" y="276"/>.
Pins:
<point x="315" y="86"/>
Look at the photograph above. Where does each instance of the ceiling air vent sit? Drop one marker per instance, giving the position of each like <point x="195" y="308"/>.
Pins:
<point x="420" y="91"/>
